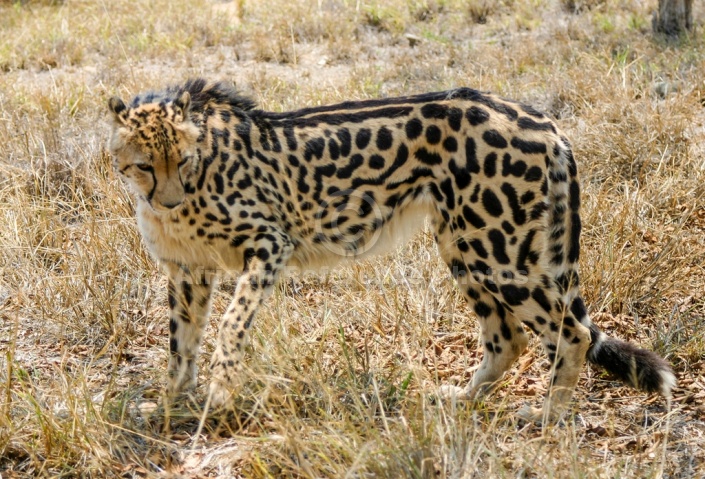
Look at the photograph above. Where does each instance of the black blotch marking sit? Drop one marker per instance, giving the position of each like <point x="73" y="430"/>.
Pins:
<point x="355" y="162"/>
<point x="482" y="309"/>
<point x="535" y="173"/>
<point x="473" y="218"/>
<point x="384" y="138"/>
<point x="528" y="124"/>
<point x="539" y="296"/>
<point x="514" y="295"/>
<point x="447" y="189"/>
<point x="455" y="117"/>
<point x="433" y="134"/>
<point x="529" y="147"/>
<point x="498" y="242"/>
<point x="577" y="307"/>
<point x="462" y="176"/>
<point x="575" y="227"/>
<point x="434" y="110"/>
<point x="314" y="147"/>
<point x="362" y="139"/>
<point x="476" y="115"/>
<point x="450" y="144"/>
<point x="492" y="203"/>
<point x="517" y="168"/>
<point x="490" y="165"/>
<point x="345" y="141"/>
<point x="574" y="196"/>
<point x="427" y="157"/>
<point x="518" y="213"/>
<point x="479" y="248"/>
<point x="376" y="162"/>
<point x="413" y="128"/>
<point x="494" y="138"/>
<point x="472" y="165"/>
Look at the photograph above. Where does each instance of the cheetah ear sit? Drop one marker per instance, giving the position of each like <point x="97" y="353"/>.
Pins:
<point x="118" y="109"/>
<point x="182" y="105"/>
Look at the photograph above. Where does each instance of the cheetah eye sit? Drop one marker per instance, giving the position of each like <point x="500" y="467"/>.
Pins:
<point x="144" y="167"/>
<point x="184" y="161"/>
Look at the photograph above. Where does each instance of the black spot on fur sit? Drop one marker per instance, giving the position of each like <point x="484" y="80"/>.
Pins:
<point x="473" y="218"/>
<point x="333" y="149"/>
<point x="355" y="162"/>
<point x="494" y="138"/>
<point x="525" y="254"/>
<point x="449" y="192"/>
<point x="506" y="110"/>
<point x="434" y="110"/>
<point x="517" y="168"/>
<point x="427" y="157"/>
<point x="455" y="117"/>
<point x="450" y="144"/>
<point x="479" y="248"/>
<point x="413" y="128"/>
<point x="534" y="173"/>
<point x="506" y="332"/>
<point x="530" y="110"/>
<point x="482" y="309"/>
<point x="528" y="147"/>
<point x="575" y="227"/>
<point x="345" y="141"/>
<point x="577" y="307"/>
<point x="314" y="147"/>
<point x="362" y="139"/>
<point x="476" y="115"/>
<point x="462" y="176"/>
<point x="376" y="162"/>
<point x="527" y="123"/>
<point x="473" y="166"/>
<point x="433" y="134"/>
<point x="458" y="268"/>
<point x="539" y="296"/>
<point x="574" y="196"/>
<point x="492" y="203"/>
<point x="490" y="164"/>
<point x="498" y="242"/>
<point x="384" y="138"/>
<point x="518" y="213"/>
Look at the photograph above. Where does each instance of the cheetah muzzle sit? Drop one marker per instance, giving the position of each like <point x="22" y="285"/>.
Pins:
<point x="220" y="185"/>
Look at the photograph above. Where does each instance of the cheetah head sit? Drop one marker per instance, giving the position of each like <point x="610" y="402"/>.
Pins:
<point x="154" y="149"/>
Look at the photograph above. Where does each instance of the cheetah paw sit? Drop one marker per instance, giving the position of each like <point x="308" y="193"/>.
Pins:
<point x="531" y="414"/>
<point x="220" y="396"/>
<point x="540" y="417"/>
<point x="449" y="392"/>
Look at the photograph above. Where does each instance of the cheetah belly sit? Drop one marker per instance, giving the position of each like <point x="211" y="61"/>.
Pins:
<point x="394" y="234"/>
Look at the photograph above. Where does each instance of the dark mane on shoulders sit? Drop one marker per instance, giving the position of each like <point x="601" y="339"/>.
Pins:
<point x="202" y="92"/>
<point x="222" y="93"/>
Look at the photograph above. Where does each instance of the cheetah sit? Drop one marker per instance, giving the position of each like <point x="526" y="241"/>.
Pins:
<point x="221" y="185"/>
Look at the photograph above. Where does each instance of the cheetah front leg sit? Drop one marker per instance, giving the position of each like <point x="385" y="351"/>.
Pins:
<point x="189" y="297"/>
<point x="255" y="285"/>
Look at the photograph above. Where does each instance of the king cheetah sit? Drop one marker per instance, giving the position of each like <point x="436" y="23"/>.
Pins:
<point x="221" y="185"/>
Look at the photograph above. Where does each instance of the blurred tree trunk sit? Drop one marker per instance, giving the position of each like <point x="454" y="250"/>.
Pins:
<point x="673" y="17"/>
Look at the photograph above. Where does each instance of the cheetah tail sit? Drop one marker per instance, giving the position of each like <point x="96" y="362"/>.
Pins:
<point x="637" y="367"/>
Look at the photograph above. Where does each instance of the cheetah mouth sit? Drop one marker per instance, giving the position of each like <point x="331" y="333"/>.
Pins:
<point x="162" y="209"/>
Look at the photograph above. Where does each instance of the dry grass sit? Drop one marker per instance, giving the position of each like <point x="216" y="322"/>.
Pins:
<point x="342" y="366"/>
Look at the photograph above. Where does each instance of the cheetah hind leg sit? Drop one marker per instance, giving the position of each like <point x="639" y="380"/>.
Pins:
<point x="503" y="337"/>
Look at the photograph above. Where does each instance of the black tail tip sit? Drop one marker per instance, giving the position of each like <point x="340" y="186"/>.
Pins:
<point x="639" y="368"/>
